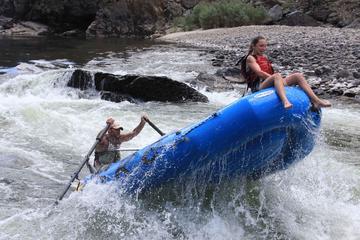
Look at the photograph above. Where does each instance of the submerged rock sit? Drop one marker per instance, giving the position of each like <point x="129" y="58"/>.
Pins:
<point x="135" y="88"/>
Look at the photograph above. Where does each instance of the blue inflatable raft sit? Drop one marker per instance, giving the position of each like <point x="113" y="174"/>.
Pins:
<point x="250" y="137"/>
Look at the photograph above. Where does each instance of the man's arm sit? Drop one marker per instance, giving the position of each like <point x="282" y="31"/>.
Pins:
<point x="104" y="142"/>
<point x="254" y="66"/>
<point x="128" y="136"/>
<point x="102" y="145"/>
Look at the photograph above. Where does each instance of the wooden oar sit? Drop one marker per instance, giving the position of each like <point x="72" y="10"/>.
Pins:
<point x="154" y="127"/>
<point x="85" y="161"/>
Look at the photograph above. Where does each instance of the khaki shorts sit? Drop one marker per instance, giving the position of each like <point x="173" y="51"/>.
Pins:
<point x="104" y="159"/>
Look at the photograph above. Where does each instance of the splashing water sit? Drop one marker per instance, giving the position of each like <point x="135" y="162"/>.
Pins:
<point x="46" y="129"/>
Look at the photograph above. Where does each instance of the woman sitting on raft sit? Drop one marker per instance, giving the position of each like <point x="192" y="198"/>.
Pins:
<point x="260" y="75"/>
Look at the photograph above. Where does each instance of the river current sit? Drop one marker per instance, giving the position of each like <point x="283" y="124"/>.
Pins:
<point x="47" y="128"/>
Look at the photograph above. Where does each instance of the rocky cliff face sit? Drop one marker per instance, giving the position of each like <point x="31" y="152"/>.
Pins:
<point x="60" y="15"/>
<point x="337" y="12"/>
<point x="123" y="18"/>
<point x="97" y="17"/>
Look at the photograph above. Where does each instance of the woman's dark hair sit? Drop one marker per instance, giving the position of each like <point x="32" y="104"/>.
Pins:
<point x="254" y="41"/>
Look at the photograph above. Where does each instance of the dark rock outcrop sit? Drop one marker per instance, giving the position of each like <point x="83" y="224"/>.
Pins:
<point x="135" y="87"/>
<point x="62" y="15"/>
<point x="99" y="18"/>
<point x="298" y="18"/>
<point x="128" y="18"/>
<point x="123" y="18"/>
<point x="81" y="79"/>
<point x="337" y="12"/>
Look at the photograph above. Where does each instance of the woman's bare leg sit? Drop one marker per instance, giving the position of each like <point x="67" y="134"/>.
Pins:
<point x="298" y="79"/>
<point x="278" y="82"/>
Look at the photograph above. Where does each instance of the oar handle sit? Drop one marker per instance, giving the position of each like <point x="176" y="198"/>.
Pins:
<point x="154" y="127"/>
<point x="86" y="159"/>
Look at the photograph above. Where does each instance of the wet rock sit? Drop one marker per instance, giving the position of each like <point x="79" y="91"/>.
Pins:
<point x="81" y="79"/>
<point x="135" y="87"/>
<point x="148" y="88"/>
<point x="116" y="97"/>
<point x="206" y="80"/>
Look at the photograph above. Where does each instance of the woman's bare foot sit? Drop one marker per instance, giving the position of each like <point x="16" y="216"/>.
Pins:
<point x="287" y="105"/>
<point x="322" y="103"/>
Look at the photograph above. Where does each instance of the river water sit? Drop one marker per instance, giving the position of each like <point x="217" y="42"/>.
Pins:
<point x="47" y="128"/>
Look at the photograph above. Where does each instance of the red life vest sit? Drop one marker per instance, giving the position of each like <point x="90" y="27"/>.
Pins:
<point x="265" y="64"/>
<point x="252" y="79"/>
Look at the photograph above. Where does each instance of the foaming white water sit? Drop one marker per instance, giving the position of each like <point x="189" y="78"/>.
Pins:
<point x="316" y="199"/>
<point x="221" y="98"/>
<point x="47" y="128"/>
<point x="176" y="63"/>
<point x="48" y="85"/>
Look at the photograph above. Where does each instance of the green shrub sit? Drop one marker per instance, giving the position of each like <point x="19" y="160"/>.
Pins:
<point x="223" y="13"/>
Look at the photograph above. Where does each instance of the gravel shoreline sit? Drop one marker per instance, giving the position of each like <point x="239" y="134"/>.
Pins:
<point x="328" y="57"/>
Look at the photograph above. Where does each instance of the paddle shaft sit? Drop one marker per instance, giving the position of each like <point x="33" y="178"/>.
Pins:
<point x="85" y="161"/>
<point x="154" y="127"/>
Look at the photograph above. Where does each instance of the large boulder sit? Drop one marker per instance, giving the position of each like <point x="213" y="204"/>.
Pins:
<point x="135" y="87"/>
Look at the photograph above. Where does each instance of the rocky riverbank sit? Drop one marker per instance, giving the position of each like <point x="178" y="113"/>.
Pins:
<point x="329" y="57"/>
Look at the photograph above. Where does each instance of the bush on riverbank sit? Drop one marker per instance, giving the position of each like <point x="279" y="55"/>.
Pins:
<point x="223" y="13"/>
